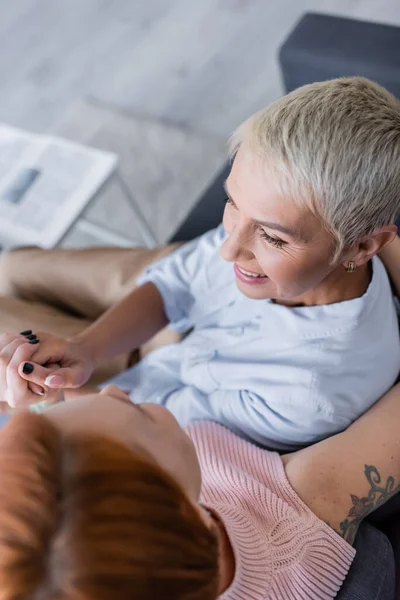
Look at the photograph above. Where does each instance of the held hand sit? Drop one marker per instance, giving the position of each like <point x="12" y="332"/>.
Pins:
<point x="16" y="392"/>
<point x="75" y="365"/>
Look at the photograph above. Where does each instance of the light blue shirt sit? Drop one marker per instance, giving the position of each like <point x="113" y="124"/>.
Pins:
<point x="281" y="377"/>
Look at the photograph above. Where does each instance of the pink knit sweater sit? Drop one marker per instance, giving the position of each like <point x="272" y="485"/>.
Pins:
<point x="282" y="550"/>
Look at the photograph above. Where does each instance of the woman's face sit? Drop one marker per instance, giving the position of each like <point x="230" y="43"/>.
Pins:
<point x="271" y="236"/>
<point x="149" y="429"/>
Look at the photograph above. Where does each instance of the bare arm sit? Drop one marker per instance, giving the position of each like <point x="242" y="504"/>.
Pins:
<point x="125" y="326"/>
<point x="344" y="478"/>
<point x="390" y="256"/>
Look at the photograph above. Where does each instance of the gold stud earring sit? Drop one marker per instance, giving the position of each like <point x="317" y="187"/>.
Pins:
<point x="351" y="267"/>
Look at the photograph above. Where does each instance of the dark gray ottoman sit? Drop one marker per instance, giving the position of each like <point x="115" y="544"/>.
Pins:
<point x="324" y="47"/>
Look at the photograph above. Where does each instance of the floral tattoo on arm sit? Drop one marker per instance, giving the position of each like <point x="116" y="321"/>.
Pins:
<point x="378" y="494"/>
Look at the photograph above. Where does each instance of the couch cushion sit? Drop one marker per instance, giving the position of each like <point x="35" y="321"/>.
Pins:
<point x="372" y="574"/>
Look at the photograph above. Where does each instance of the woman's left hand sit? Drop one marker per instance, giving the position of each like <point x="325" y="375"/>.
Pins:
<point x="15" y="391"/>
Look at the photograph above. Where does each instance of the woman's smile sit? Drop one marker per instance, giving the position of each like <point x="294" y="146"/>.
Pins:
<point x="250" y="277"/>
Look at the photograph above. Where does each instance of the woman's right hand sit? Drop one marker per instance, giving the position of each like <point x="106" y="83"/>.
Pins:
<point x="75" y="365"/>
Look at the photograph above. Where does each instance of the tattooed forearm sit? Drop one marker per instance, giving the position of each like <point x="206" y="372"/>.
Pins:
<point x="378" y="494"/>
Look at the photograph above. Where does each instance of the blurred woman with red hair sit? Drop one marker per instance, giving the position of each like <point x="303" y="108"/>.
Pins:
<point x="103" y="499"/>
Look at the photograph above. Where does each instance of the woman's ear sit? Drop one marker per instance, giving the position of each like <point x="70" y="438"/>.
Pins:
<point x="371" y="244"/>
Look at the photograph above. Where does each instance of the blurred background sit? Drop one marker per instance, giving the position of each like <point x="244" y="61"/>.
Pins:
<point x="162" y="83"/>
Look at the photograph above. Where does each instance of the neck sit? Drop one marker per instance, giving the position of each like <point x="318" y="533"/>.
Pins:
<point x="339" y="286"/>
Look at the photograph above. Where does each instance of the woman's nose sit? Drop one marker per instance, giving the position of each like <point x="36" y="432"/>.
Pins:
<point x="236" y="247"/>
<point x="113" y="390"/>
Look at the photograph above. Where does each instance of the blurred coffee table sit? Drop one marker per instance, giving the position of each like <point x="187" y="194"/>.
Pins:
<point x="163" y="170"/>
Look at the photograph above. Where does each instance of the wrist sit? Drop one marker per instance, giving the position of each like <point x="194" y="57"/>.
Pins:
<point x="88" y="346"/>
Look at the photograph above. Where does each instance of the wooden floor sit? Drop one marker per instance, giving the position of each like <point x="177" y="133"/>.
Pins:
<point x="202" y="63"/>
<point x="107" y="71"/>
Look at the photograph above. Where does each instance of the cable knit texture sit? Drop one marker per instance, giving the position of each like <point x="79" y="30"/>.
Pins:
<point x="282" y="550"/>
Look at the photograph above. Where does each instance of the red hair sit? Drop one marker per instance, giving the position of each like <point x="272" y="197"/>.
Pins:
<point x="89" y="519"/>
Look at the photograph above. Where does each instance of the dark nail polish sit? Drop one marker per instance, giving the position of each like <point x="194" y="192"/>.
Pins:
<point x="27" y="368"/>
<point x="34" y="341"/>
<point x="31" y="337"/>
<point x="27" y="332"/>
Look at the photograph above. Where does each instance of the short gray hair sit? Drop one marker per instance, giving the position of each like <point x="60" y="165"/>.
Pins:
<point x="335" y="145"/>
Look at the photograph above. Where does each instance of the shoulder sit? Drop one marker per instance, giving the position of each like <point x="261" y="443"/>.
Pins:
<point x="212" y="239"/>
<point x="378" y="300"/>
<point x="360" y="353"/>
<point x="201" y="254"/>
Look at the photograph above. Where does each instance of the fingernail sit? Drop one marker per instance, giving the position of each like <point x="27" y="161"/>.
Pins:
<point x="53" y="381"/>
<point x="34" y="341"/>
<point x="27" y="368"/>
<point x="27" y="332"/>
<point x="32" y="336"/>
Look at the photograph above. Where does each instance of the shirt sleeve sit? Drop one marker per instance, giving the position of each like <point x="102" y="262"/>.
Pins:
<point x="175" y="275"/>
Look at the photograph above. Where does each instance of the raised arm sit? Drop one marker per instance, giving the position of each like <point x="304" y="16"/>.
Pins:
<point x="391" y="259"/>
<point x="346" y="477"/>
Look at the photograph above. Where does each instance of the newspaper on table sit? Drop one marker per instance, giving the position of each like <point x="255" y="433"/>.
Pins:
<point x="45" y="183"/>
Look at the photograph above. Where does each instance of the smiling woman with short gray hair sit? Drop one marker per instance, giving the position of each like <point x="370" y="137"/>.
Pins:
<point x="292" y="325"/>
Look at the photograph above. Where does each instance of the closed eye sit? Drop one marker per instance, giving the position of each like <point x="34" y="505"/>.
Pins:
<point x="132" y="404"/>
<point x="276" y="242"/>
